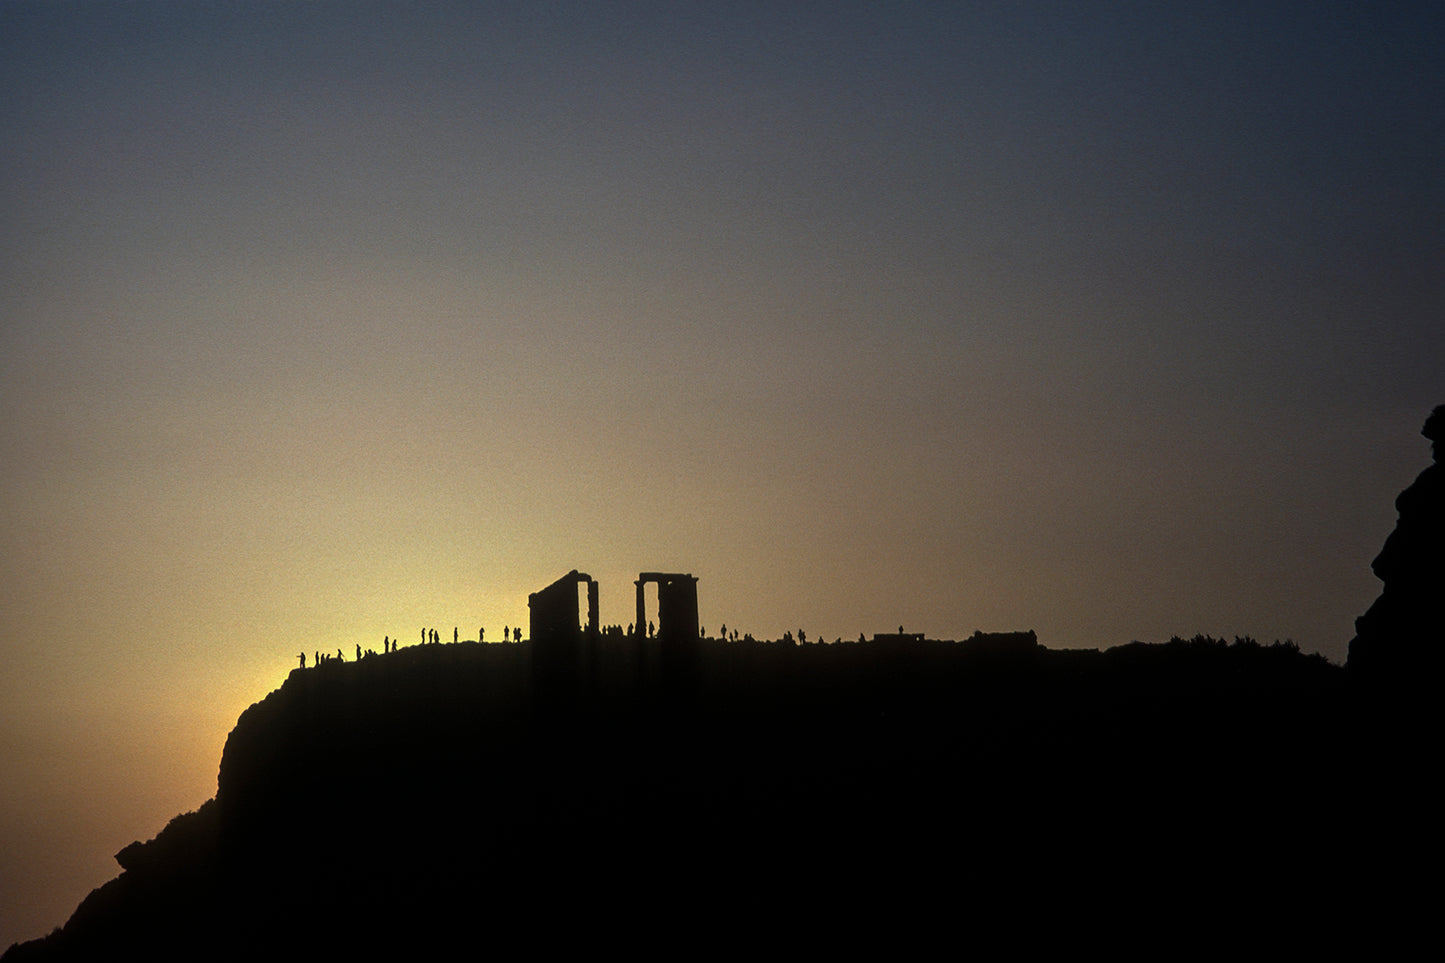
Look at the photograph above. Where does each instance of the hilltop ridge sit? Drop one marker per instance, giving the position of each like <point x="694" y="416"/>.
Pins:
<point x="420" y="794"/>
<point x="595" y="788"/>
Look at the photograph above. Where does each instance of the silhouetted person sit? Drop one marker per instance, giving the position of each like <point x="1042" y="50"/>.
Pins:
<point x="482" y="634"/>
<point x="303" y="660"/>
<point x="650" y="628"/>
<point x="517" y="634"/>
<point x="455" y="632"/>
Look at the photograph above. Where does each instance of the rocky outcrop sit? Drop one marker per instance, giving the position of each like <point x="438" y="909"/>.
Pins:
<point x="1402" y="636"/>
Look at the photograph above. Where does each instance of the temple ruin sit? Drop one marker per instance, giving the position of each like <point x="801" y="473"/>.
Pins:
<point x="676" y="605"/>
<point x="555" y="613"/>
<point x="570" y="657"/>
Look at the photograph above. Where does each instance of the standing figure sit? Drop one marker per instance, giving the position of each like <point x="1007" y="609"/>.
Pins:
<point x="303" y="660"/>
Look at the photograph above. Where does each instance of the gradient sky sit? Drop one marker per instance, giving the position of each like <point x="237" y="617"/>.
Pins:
<point x="322" y="322"/>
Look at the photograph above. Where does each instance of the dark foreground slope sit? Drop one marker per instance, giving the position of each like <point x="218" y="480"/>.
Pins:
<point x="436" y="798"/>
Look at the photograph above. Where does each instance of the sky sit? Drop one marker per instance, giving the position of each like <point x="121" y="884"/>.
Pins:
<point x="322" y="322"/>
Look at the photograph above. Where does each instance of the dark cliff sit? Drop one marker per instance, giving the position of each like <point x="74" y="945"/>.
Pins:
<point x="1402" y="637"/>
<point x="617" y="794"/>
<point x="431" y="795"/>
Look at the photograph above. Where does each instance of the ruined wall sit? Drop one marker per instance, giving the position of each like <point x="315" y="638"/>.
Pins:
<point x="677" y="619"/>
<point x="559" y="641"/>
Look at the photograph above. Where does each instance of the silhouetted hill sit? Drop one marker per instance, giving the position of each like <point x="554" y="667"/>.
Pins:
<point x="666" y="797"/>
<point x="435" y="797"/>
